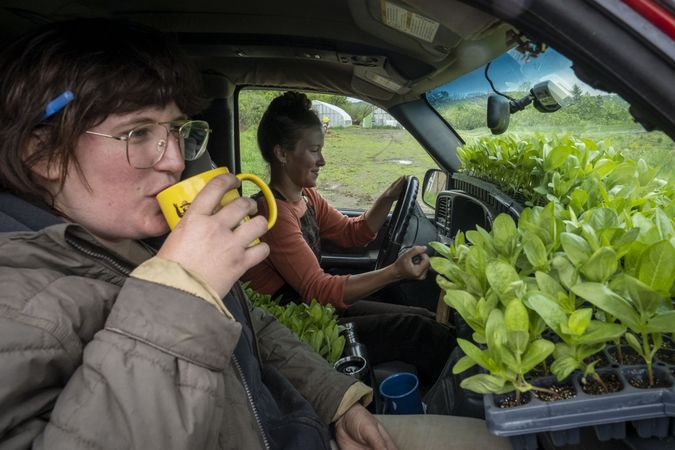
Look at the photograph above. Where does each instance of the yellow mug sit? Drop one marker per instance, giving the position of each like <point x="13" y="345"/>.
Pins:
<point x="175" y="200"/>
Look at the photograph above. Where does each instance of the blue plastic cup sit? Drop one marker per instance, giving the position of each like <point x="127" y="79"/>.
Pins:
<point x="401" y="394"/>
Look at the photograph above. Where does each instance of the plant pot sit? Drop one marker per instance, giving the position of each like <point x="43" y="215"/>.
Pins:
<point x="630" y="356"/>
<point x="561" y="390"/>
<point x="611" y="382"/>
<point x="540" y="370"/>
<point x="512" y="400"/>
<point x="666" y="356"/>
<point x="668" y="343"/>
<point x="602" y="359"/>
<point x="650" y="411"/>
<point x="637" y="377"/>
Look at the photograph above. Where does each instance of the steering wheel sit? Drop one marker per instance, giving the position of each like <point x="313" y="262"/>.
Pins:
<point x="398" y="225"/>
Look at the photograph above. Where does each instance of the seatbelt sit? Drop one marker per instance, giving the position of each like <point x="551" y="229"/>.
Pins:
<point x="17" y="214"/>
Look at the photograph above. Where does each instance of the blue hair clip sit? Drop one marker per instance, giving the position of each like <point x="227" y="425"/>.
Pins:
<point x="58" y="104"/>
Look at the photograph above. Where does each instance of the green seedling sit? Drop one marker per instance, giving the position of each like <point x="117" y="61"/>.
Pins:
<point x="581" y="336"/>
<point x="637" y="306"/>
<point x="597" y="253"/>
<point x="510" y="353"/>
<point x="314" y="324"/>
<point x="596" y="261"/>
<point x="640" y="296"/>
<point x="577" y="174"/>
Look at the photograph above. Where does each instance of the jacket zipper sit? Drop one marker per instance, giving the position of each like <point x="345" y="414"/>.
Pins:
<point x="240" y="295"/>
<point x="249" y="396"/>
<point x="100" y="256"/>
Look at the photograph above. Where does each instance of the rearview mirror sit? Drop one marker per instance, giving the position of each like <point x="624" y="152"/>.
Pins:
<point x="547" y="96"/>
<point x="498" y="114"/>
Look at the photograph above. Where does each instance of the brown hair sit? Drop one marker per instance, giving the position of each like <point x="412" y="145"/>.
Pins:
<point x="283" y="122"/>
<point x="112" y="67"/>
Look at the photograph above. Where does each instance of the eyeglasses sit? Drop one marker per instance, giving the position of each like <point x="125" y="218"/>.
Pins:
<point x="147" y="143"/>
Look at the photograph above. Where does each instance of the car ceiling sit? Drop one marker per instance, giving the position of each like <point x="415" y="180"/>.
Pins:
<point x="339" y="46"/>
<point x="350" y="47"/>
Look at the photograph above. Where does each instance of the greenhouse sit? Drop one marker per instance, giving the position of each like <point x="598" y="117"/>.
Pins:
<point x="380" y="118"/>
<point x="335" y="116"/>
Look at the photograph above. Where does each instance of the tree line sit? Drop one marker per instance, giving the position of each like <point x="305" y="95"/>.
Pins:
<point x="585" y="109"/>
<point x="253" y="102"/>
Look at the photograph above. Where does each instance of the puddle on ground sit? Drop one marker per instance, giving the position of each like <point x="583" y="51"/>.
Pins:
<point x="403" y="162"/>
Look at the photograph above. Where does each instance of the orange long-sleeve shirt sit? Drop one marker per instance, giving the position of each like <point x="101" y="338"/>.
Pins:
<point x="292" y="261"/>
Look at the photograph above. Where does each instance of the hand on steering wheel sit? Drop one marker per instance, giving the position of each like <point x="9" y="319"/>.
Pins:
<point x="398" y="224"/>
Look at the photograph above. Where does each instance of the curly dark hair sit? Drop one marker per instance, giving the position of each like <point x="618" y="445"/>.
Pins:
<point x="283" y="122"/>
<point x="111" y="66"/>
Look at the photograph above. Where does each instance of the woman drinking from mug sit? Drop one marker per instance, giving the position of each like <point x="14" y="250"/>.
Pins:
<point x="291" y="138"/>
<point x="107" y="342"/>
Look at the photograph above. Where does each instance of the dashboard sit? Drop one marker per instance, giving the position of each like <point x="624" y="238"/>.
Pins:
<point x="471" y="203"/>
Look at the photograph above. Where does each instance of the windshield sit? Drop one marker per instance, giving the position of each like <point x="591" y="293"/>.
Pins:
<point x="585" y="113"/>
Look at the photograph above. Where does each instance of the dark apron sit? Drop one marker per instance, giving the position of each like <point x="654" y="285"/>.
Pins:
<point x="309" y="228"/>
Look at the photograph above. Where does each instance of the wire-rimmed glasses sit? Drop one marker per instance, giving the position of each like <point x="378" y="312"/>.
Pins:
<point x="147" y="143"/>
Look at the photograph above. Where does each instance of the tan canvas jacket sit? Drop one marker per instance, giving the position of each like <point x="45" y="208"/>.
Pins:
<point x="91" y="357"/>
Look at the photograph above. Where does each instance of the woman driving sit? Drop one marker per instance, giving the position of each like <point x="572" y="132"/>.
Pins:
<point x="291" y="138"/>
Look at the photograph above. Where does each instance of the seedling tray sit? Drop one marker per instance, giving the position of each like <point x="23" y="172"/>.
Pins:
<point x="650" y="411"/>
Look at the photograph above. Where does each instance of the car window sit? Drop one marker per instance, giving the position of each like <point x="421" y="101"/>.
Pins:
<point x="365" y="148"/>
<point x="586" y="112"/>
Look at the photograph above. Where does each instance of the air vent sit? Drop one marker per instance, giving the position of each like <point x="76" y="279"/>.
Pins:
<point x="457" y="211"/>
<point x="442" y="216"/>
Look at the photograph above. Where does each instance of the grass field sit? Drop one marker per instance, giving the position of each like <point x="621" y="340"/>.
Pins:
<point x="361" y="163"/>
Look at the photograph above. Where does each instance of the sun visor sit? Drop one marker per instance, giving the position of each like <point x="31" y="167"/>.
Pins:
<point x="409" y="32"/>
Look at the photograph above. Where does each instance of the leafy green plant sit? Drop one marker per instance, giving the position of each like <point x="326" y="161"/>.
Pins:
<point x="581" y="336"/>
<point x="595" y="249"/>
<point x="597" y="260"/>
<point x="509" y="353"/>
<point x="314" y="324"/>
<point x="639" y="303"/>
<point x="626" y="265"/>
<point x="508" y="161"/>
<point x="481" y="277"/>
<point x="524" y="263"/>
<point x="576" y="173"/>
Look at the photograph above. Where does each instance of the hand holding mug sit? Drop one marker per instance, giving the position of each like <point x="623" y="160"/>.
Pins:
<point x="212" y="240"/>
<point x="175" y="200"/>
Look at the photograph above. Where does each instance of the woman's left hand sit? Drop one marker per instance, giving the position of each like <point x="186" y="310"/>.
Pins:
<point x="377" y="214"/>
<point x="359" y="429"/>
<point x="393" y="192"/>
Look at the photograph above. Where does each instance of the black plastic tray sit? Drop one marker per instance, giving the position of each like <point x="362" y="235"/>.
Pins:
<point x="649" y="411"/>
<point x="487" y="192"/>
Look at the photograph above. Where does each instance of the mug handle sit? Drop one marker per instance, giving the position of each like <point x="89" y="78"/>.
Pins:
<point x="267" y="193"/>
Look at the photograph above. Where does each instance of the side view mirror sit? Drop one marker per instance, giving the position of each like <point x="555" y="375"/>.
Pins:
<point x="546" y="96"/>
<point x="435" y="181"/>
